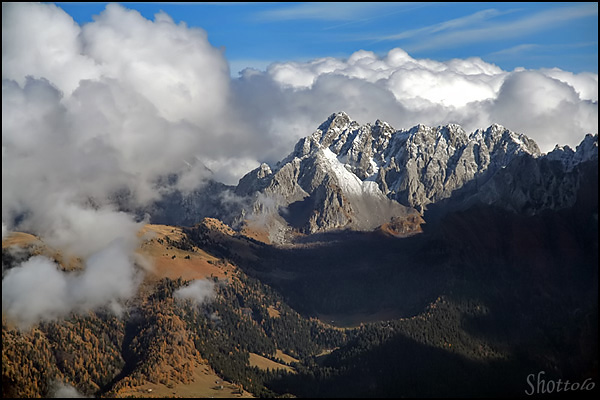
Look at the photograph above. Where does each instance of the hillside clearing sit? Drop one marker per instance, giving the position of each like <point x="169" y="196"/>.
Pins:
<point x="266" y="364"/>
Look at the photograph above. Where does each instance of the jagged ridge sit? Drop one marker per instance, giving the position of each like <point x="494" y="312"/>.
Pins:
<point x="346" y="175"/>
<point x="351" y="176"/>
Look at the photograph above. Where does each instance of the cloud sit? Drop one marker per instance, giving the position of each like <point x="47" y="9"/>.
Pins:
<point x="516" y="50"/>
<point x="110" y="275"/>
<point x="585" y="83"/>
<point x="173" y="66"/>
<point x="61" y="390"/>
<point x="37" y="290"/>
<point x="541" y="53"/>
<point x="550" y="105"/>
<point x="456" y="23"/>
<point x="198" y="291"/>
<point x="327" y="11"/>
<point x="147" y="88"/>
<point x="138" y="100"/>
<point x="43" y="41"/>
<point x="549" y="110"/>
<point x="91" y="115"/>
<point x="479" y="27"/>
<point x="115" y="106"/>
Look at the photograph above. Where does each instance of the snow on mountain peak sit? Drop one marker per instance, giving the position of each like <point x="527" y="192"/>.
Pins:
<point x="343" y="166"/>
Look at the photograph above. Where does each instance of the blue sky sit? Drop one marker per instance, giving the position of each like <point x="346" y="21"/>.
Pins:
<point x="510" y="35"/>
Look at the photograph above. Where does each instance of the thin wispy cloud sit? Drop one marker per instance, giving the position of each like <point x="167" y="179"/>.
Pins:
<point x="456" y="23"/>
<point x="377" y="14"/>
<point x="327" y="11"/>
<point x="505" y="29"/>
<point x="516" y="50"/>
<point x="528" y="48"/>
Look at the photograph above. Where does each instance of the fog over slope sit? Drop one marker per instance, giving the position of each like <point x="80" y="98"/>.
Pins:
<point x="117" y="106"/>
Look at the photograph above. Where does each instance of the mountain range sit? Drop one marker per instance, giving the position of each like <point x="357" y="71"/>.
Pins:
<point x="347" y="176"/>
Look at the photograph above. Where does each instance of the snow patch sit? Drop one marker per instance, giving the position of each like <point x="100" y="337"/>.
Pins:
<point x="348" y="181"/>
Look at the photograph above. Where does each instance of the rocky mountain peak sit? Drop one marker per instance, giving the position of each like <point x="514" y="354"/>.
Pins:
<point x="498" y="137"/>
<point x="350" y="176"/>
<point x="331" y="175"/>
<point x="329" y="130"/>
<point x="587" y="150"/>
<point x="264" y="170"/>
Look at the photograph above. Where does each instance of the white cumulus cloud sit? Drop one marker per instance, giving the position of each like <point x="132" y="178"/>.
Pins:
<point x="549" y="105"/>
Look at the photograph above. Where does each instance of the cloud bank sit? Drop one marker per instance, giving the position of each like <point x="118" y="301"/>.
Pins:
<point x="550" y="105"/>
<point x="125" y="108"/>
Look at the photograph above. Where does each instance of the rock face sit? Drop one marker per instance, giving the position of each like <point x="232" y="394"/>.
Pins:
<point x="530" y="185"/>
<point x="418" y="166"/>
<point x="424" y="165"/>
<point x="324" y="183"/>
<point x="351" y="176"/>
<point x="346" y="175"/>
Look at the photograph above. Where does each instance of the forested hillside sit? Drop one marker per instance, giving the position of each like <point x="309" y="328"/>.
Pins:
<point x="467" y="315"/>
